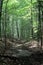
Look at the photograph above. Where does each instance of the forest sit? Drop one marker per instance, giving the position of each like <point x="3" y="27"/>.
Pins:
<point x="21" y="32"/>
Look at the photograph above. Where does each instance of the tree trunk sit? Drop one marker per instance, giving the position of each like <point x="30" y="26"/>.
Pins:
<point x="1" y="3"/>
<point x="39" y="25"/>
<point x="31" y="22"/>
<point x="5" y="22"/>
<point x="17" y="29"/>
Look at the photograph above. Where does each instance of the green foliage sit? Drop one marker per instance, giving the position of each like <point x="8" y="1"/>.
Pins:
<point x="21" y="18"/>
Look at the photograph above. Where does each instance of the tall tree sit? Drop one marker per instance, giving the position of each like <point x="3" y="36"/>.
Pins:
<point x="5" y="21"/>
<point x="1" y="3"/>
<point x="39" y="24"/>
<point x="31" y="20"/>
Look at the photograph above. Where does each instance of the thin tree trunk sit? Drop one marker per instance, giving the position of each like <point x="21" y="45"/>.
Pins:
<point x="17" y="29"/>
<point x="31" y="22"/>
<point x="5" y="22"/>
<point x="39" y="25"/>
<point x="1" y="3"/>
<point x="12" y="28"/>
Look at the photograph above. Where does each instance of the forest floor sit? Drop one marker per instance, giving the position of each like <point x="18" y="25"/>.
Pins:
<point x="24" y="53"/>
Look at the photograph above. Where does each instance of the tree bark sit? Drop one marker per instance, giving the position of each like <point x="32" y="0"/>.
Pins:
<point x="39" y="24"/>
<point x="17" y="29"/>
<point x="1" y="3"/>
<point x="5" y="22"/>
<point x="31" y="22"/>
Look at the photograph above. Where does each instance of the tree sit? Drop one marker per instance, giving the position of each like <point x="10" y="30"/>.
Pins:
<point x="1" y="3"/>
<point x="39" y="24"/>
<point x="5" y="22"/>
